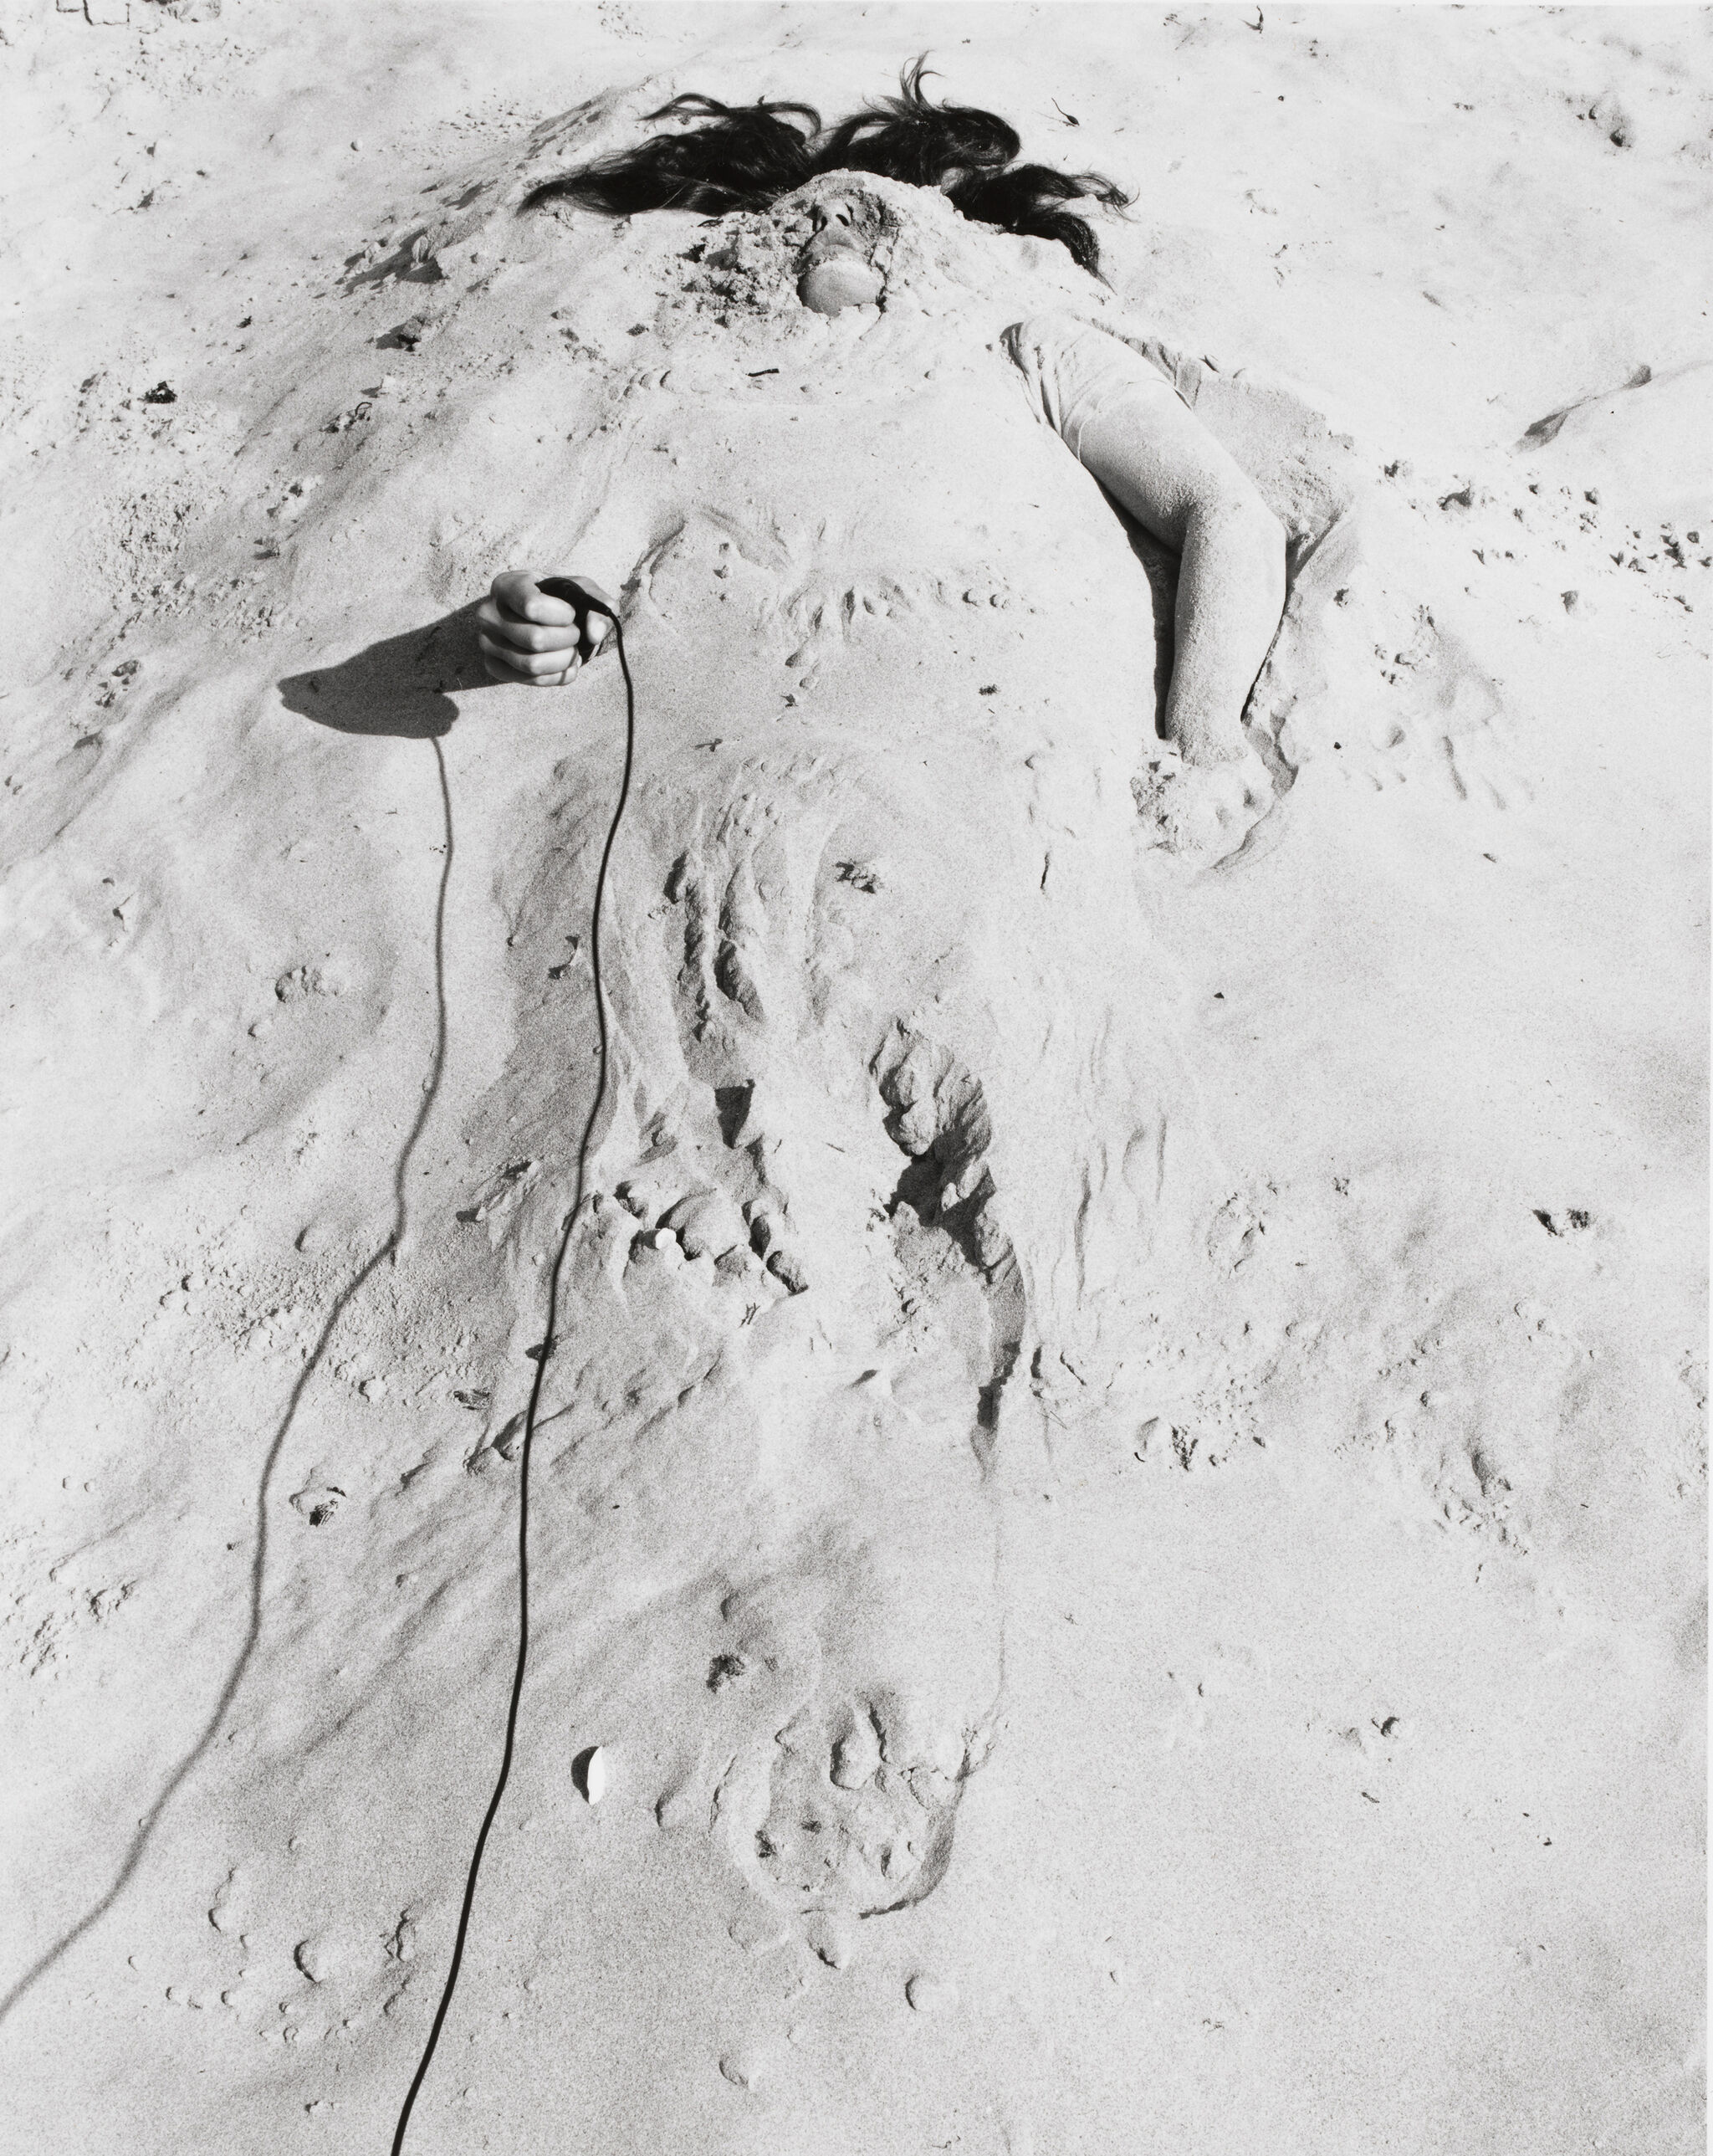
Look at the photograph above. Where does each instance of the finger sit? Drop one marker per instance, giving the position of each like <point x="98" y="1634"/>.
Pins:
<point x="595" y="608"/>
<point x="500" y="671"/>
<point x="541" y="607"/>
<point x="498" y="620"/>
<point x="524" y="636"/>
<point x="516" y="593"/>
<point x="500" y="667"/>
<point x="534" y="666"/>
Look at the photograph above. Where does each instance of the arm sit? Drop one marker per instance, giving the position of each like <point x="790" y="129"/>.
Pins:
<point x="1126" y="422"/>
<point x="1171" y="476"/>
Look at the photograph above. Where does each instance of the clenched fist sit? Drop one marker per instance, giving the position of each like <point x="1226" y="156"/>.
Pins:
<point x="527" y="636"/>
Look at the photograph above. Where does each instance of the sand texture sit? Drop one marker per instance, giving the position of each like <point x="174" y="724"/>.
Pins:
<point x="1121" y="1488"/>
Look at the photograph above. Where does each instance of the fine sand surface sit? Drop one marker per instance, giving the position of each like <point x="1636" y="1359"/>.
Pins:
<point x="1121" y="1492"/>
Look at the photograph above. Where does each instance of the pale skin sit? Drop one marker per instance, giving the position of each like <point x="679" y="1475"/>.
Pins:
<point x="1177" y="482"/>
<point x="1155" y="458"/>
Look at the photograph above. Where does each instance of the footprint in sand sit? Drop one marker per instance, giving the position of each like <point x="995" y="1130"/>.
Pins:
<point x="863" y="1822"/>
<point x="869" y="1681"/>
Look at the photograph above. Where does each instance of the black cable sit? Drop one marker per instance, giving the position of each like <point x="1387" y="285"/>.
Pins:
<point x="556" y="588"/>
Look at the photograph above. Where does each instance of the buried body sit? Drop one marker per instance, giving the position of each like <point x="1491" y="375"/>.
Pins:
<point x="886" y="1256"/>
<point x="868" y="1043"/>
<point x="885" y="1124"/>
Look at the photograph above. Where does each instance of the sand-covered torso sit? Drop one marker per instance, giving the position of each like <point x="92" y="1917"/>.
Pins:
<point x="878" y="491"/>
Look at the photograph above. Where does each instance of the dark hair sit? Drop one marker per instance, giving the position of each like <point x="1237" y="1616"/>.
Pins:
<point x="745" y="156"/>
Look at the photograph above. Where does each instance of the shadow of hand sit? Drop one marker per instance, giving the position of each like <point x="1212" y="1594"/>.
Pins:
<point x="402" y="686"/>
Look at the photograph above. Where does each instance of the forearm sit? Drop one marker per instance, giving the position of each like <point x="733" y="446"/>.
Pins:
<point x="1230" y="594"/>
<point x="1175" y="479"/>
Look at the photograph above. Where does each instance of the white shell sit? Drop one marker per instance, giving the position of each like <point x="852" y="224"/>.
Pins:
<point x="595" y="1776"/>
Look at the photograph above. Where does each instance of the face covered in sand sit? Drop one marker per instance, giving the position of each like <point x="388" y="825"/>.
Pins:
<point x="837" y="269"/>
<point x="842" y="240"/>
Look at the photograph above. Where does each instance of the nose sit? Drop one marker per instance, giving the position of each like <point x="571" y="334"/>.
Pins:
<point x="826" y="213"/>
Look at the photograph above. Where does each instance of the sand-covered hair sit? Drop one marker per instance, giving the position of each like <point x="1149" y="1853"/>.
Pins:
<point x="745" y="156"/>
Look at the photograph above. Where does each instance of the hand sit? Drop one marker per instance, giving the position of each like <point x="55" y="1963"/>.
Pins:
<point x="529" y="637"/>
<point x="1207" y="747"/>
<point x="1204" y="813"/>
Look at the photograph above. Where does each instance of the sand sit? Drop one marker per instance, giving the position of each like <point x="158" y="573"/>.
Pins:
<point x="1121" y="1494"/>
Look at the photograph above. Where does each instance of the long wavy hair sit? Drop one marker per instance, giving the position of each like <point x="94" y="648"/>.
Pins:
<point x="745" y="156"/>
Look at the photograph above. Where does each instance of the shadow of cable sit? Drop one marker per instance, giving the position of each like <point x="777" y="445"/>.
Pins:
<point x="388" y="1248"/>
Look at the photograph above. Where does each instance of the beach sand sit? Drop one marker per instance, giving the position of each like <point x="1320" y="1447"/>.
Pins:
<point x="1121" y="1488"/>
